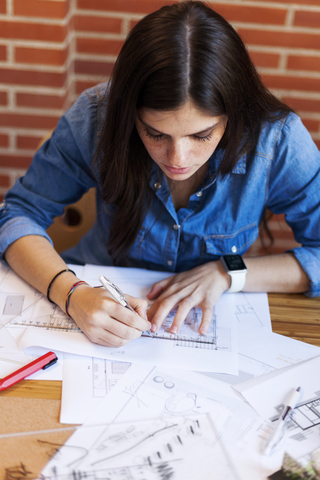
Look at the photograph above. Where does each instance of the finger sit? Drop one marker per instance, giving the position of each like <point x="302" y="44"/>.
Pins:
<point x="206" y="319"/>
<point x="158" y="288"/>
<point x="182" y="313"/>
<point x="161" y="311"/>
<point x="127" y="317"/>
<point x="140" y="306"/>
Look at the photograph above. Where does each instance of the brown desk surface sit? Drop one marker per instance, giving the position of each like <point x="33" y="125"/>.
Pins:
<point x="295" y="316"/>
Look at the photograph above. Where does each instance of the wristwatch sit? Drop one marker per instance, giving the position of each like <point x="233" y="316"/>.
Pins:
<point x="236" y="268"/>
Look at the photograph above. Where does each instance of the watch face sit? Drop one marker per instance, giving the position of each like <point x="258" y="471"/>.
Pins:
<point x="234" y="262"/>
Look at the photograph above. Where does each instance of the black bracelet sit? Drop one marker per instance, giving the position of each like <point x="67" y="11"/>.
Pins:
<point x="50" y="284"/>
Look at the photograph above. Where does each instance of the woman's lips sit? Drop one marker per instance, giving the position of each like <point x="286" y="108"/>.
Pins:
<point x="178" y="171"/>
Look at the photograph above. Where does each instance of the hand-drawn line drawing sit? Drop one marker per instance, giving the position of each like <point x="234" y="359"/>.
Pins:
<point x="105" y="375"/>
<point x="305" y="419"/>
<point x="245" y="312"/>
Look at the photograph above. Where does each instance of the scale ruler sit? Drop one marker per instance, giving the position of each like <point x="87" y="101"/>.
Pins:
<point x="50" y="322"/>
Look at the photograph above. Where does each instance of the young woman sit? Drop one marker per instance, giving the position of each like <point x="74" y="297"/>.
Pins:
<point x="187" y="150"/>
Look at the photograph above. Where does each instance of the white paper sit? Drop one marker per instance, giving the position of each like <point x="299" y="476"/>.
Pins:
<point x="90" y="379"/>
<point x="269" y="393"/>
<point x="220" y="358"/>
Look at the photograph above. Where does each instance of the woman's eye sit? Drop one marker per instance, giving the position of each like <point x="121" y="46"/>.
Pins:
<point x="154" y="137"/>
<point x="203" y="139"/>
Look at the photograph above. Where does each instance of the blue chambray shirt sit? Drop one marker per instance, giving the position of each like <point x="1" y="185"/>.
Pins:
<point x="222" y="217"/>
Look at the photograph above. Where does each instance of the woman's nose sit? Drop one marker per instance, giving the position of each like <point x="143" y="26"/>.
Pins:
<point x="177" y="155"/>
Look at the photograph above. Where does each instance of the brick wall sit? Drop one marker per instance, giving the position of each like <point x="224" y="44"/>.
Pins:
<point x="50" y="50"/>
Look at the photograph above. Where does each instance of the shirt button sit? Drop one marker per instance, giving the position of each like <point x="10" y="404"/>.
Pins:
<point x="176" y="227"/>
<point x="234" y="249"/>
<point x="157" y="186"/>
<point x="199" y="194"/>
<point x="170" y="262"/>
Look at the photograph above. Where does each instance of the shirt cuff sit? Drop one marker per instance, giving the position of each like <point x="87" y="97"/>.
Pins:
<point x="16" y="228"/>
<point x="309" y="259"/>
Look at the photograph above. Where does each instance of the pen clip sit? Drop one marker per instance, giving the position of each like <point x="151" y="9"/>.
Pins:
<point x="114" y="291"/>
<point x="52" y="362"/>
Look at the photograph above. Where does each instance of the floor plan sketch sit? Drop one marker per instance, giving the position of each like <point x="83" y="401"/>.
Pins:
<point x="105" y="375"/>
<point x="188" y="335"/>
<point x="245" y="311"/>
<point x="304" y="425"/>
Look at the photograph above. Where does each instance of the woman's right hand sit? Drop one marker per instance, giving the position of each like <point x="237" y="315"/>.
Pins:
<point x="103" y="320"/>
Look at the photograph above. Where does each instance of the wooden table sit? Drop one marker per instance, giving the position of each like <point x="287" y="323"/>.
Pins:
<point x="295" y="316"/>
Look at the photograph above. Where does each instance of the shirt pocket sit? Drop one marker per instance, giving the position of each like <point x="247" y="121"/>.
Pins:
<point x="230" y="243"/>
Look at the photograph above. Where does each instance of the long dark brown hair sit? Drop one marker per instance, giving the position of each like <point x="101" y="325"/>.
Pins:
<point x="181" y="52"/>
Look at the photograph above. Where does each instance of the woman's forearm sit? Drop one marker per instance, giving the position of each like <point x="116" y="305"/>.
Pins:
<point x="275" y="273"/>
<point x="36" y="261"/>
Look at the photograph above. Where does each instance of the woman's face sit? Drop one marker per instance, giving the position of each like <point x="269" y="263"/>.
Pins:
<point x="180" y="141"/>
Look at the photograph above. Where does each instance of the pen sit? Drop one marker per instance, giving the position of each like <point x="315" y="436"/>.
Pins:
<point x="280" y="429"/>
<point x="43" y="362"/>
<point x="116" y="294"/>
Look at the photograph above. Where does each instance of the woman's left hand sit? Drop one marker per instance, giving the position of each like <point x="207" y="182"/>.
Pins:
<point x="202" y="287"/>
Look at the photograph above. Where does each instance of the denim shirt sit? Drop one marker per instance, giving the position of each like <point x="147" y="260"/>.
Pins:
<point x="222" y="217"/>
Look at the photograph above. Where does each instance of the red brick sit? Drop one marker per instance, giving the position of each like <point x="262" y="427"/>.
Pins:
<point x="290" y="82"/>
<point x="4" y="181"/>
<point x="280" y="39"/>
<point x="28" y="121"/>
<point x="311" y="125"/>
<point x="303" y="62"/>
<point x="4" y="140"/>
<point x="32" y="31"/>
<point x="238" y="13"/>
<point x="302" y="104"/>
<point x="3" y="53"/>
<point x="22" y="77"/>
<point x="42" y="56"/>
<point x="307" y="19"/>
<point x="93" y="68"/>
<point x="31" y="143"/>
<point x="15" y="161"/>
<point x="88" y="23"/>
<point x="97" y="46"/>
<point x="3" y="6"/>
<point x="263" y="59"/>
<point x="133" y="6"/>
<point x="3" y="98"/>
<point x="81" y="85"/>
<point x="41" y="8"/>
<point x="40" y="101"/>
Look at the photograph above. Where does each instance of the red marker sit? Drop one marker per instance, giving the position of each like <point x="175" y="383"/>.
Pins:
<point x="43" y="362"/>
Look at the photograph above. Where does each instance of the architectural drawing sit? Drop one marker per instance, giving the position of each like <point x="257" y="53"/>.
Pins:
<point x="186" y="448"/>
<point x="105" y="375"/>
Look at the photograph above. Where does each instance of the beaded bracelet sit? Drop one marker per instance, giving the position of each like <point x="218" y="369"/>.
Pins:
<point x="72" y="289"/>
<point x="50" y="284"/>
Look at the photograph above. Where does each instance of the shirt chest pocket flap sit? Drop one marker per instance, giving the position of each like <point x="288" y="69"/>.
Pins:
<point x="231" y="242"/>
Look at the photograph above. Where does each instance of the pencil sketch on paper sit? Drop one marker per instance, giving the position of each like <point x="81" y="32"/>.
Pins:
<point x="186" y="448"/>
<point x="304" y="424"/>
<point x="105" y="375"/>
<point x="245" y="312"/>
<point x="188" y="335"/>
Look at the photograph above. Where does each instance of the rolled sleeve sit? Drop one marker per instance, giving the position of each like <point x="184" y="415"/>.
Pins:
<point x="16" y="228"/>
<point x="60" y="173"/>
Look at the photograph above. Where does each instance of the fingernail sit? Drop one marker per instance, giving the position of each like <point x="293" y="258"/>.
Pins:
<point x="153" y="327"/>
<point x="203" y="331"/>
<point x="173" y="329"/>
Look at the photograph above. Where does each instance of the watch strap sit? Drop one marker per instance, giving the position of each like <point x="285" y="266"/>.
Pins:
<point x="238" y="279"/>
